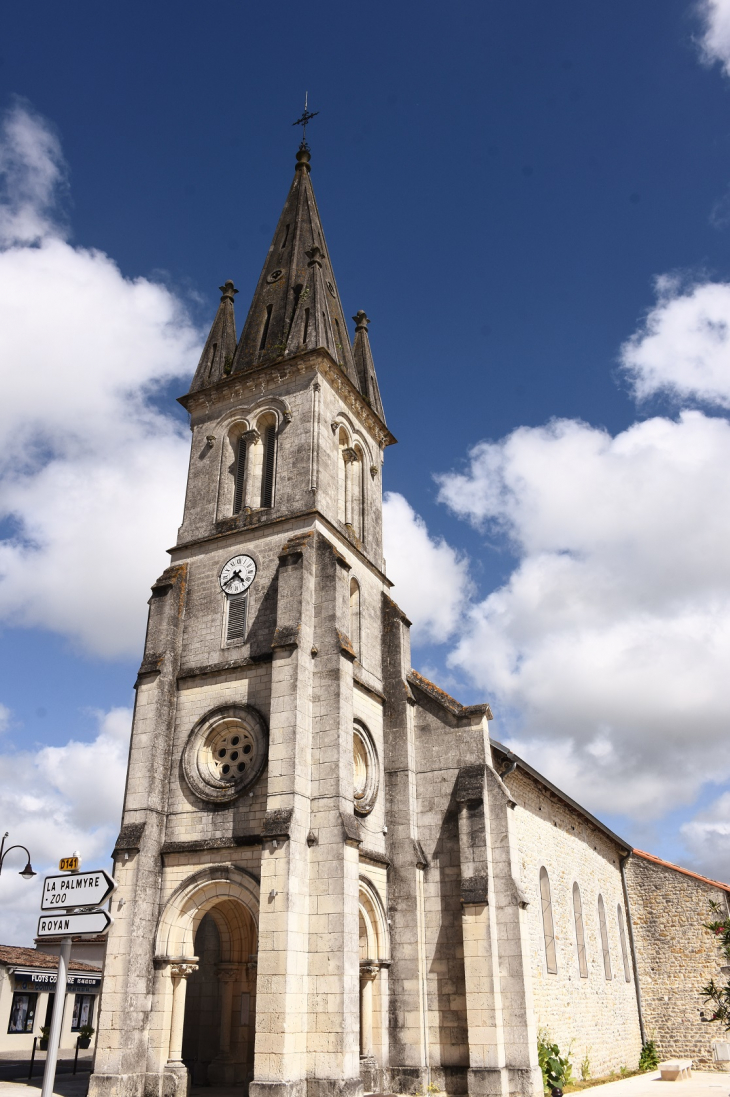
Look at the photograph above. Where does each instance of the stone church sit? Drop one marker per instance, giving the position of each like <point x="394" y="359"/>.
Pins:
<point x="331" y="879"/>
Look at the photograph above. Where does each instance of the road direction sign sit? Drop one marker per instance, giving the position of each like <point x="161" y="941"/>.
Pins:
<point x="82" y="889"/>
<point x="92" y="921"/>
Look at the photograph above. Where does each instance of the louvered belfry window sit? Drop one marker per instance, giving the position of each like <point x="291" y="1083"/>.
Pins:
<point x="604" y="938"/>
<point x="547" y="923"/>
<point x="236" y="625"/>
<point x="240" y="479"/>
<point x="580" y="937"/>
<point x="622" y="938"/>
<point x="267" y="477"/>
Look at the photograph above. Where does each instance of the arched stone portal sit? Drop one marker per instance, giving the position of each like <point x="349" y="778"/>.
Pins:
<point x="207" y="938"/>
<point x="374" y="963"/>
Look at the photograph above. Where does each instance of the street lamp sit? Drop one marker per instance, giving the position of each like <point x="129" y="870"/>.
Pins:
<point x="27" y="872"/>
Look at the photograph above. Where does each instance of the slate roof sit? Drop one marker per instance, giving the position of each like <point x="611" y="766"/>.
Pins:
<point x="15" y="956"/>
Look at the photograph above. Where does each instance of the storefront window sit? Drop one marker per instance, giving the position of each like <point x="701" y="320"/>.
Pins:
<point x="83" y="1011"/>
<point x="22" y="1012"/>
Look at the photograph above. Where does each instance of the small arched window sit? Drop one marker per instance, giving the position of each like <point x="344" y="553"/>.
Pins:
<point x="358" y="492"/>
<point x="355" y="616"/>
<point x="547" y="923"/>
<point x="267" y="429"/>
<point x="622" y="938"/>
<point x="604" y="938"/>
<point x="239" y="475"/>
<point x="342" y="443"/>
<point x="580" y="937"/>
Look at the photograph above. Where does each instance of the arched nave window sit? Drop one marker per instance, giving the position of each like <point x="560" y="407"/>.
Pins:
<point x="604" y="938"/>
<point x="547" y="922"/>
<point x="622" y="939"/>
<point x="580" y="937"/>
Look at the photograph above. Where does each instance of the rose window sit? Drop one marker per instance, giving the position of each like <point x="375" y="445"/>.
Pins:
<point x="226" y="752"/>
<point x="229" y="753"/>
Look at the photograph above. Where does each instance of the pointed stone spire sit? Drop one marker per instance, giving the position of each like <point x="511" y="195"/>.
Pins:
<point x="296" y="305"/>
<point x="216" y="361"/>
<point x="366" y="379"/>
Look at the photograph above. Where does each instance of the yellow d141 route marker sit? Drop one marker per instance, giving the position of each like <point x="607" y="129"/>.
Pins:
<point x="69" y="864"/>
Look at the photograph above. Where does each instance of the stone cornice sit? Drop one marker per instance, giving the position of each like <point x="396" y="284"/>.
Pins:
<point x="262" y="378"/>
<point x="236" y="535"/>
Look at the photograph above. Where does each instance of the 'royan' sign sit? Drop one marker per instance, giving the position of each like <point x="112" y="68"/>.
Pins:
<point x="90" y="921"/>
<point x="81" y="889"/>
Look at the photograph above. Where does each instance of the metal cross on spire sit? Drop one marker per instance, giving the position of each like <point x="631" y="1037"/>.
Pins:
<point x="304" y="120"/>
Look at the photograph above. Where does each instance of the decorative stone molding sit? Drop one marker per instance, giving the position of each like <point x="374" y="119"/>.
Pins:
<point x="130" y="837"/>
<point x="182" y="971"/>
<point x="470" y="785"/>
<point x="366" y="770"/>
<point x="277" y="823"/>
<point x="351" y="828"/>
<point x="475" y="889"/>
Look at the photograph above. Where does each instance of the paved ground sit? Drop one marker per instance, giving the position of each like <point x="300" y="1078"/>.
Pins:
<point x="709" y="1084"/>
<point x="705" y="1084"/>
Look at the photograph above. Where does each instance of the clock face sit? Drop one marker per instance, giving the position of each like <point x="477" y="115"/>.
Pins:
<point x="238" y="575"/>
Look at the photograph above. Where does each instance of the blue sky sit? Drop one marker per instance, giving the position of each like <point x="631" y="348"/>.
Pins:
<point x="501" y="187"/>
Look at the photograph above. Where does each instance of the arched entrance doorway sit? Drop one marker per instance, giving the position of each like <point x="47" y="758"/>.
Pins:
<point x="208" y="937"/>
<point x="374" y="962"/>
<point x="220" y="1006"/>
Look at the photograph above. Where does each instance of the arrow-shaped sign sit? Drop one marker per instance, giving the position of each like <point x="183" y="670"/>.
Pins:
<point x="78" y="889"/>
<point x="93" y="921"/>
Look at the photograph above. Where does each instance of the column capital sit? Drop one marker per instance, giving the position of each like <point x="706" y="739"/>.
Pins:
<point x="252" y="436"/>
<point x="349" y="455"/>
<point x="227" y="972"/>
<point x="182" y="971"/>
<point x="369" y="970"/>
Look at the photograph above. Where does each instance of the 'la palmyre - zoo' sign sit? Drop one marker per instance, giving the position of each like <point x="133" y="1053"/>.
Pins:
<point x="81" y="889"/>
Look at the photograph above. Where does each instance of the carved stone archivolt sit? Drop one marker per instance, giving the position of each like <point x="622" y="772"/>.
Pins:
<point x="366" y="770"/>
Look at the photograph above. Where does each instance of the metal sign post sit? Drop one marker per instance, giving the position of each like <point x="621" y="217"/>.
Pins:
<point x="49" y="1074"/>
<point x="76" y="893"/>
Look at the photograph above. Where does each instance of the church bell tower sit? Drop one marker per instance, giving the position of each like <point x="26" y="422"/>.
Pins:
<point x="259" y="696"/>
<point x="283" y="923"/>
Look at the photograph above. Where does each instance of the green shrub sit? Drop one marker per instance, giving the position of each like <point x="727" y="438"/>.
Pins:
<point x="557" y="1071"/>
<point x="649" y="1058"/>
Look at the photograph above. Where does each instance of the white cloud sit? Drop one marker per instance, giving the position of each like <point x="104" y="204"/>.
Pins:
<point x="431" y="578"/>
<point x="57" y="800"/>
<point x="683" y="347"/>
<point x="708" y="838"/>
<point x="607" y="651"/>
<point x="91" y="473"/>
<point x="32" y="175"/>
<point x="715" y="39"/>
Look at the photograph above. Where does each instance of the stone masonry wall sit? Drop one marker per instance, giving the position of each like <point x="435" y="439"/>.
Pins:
<point x="592" y="1016"/>
<point x="676" y="957"/>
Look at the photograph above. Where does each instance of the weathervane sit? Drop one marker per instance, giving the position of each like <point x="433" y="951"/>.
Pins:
<point x="306" y="118"/>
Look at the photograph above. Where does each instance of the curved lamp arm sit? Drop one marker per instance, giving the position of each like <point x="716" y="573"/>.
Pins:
<point x="27" y="873"/>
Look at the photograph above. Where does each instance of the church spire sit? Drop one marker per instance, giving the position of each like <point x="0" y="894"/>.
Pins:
<point x="216" y="360"/>
<point x="296" y="305"/>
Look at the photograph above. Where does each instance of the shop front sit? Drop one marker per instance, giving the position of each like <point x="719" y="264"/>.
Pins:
<point x="28" y="988"/>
